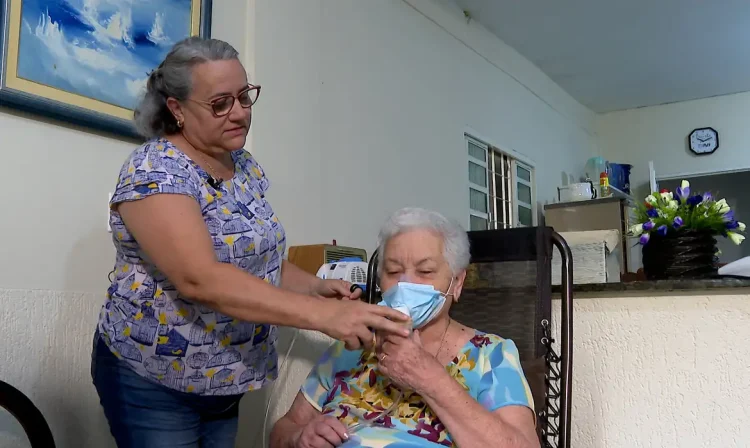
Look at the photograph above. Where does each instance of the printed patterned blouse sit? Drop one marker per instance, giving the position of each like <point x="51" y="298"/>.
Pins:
<point x="345" y="384"/>
<point x="145" y="321"/>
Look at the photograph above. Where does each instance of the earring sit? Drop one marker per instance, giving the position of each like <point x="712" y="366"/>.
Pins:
<point x="179" y="123"/>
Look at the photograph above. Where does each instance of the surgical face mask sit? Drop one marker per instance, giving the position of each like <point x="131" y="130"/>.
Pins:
<point x="421" y="302"/>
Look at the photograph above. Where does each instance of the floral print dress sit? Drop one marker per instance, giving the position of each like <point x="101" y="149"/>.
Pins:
<point x="346" y="384"/>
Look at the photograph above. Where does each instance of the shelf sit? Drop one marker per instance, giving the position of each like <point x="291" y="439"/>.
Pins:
<point x="622" y="195"/>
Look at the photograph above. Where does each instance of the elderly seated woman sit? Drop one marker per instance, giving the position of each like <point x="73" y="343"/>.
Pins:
<point x="461" y="386"/>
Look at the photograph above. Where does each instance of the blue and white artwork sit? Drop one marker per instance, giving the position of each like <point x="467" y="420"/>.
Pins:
<point x="99" y="49"/>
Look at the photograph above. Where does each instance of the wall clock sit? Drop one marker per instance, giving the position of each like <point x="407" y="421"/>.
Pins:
<point x="704" y="141"/>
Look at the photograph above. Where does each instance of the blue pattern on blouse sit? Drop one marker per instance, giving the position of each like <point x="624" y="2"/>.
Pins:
<point x="163" y="335"/>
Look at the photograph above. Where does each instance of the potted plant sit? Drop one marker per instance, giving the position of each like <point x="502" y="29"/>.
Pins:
<point x="678" y="233"/>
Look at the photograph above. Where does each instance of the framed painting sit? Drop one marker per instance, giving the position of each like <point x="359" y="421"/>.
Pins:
<point x="86" y="62"/>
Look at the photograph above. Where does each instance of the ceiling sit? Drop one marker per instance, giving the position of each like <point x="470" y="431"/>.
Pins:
<point x="614" y="54"/>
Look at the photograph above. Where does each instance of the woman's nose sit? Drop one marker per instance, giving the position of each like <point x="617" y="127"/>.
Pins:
<point x="238" y="113"/>
<point x="406" y="278"/>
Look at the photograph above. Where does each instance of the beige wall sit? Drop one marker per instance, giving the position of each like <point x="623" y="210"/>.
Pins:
<point x="653" y="372"/>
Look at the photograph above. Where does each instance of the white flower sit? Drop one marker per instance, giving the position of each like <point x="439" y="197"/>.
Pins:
<point x="721" y="206"/>
<point x="668" y="196"/>
<point x="672" y="205"/>
<point x="735" y="237"/>
<point x="651" y="199"/>
<point x="635" y="230"/>
<point x="741" y="226"/>
<point x="685" y="184"/>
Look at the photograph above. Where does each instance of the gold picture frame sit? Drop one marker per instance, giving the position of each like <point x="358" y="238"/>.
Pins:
<point x="112" y="44"/>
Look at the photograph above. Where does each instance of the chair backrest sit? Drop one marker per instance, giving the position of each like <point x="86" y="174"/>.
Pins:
<point x="508" y="292"/>
<point x="31" y="419"/>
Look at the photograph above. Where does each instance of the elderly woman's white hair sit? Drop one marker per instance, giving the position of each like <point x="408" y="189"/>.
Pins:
<point x="455" y="239"/>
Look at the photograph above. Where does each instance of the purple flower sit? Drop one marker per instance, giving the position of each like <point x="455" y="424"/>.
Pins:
<point x="648" y="225"/>
<point x="694" y="200"/>
<point x="683" y="191"/>
<point x="731" y="225"/>
<point x="652" y="213"/>
<point x="707" y="196"/>
<point x="677" y="223"/>
<point x="662" y="230"/>
<point x="728" y="216"/>
<point x="644" y="238"/>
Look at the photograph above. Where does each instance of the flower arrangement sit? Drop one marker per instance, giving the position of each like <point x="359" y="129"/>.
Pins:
<point x="666" y="213"/>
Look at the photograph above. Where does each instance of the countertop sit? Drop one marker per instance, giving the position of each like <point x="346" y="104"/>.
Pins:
<point x="660" y="286"/>
<point x="580" y="203"/>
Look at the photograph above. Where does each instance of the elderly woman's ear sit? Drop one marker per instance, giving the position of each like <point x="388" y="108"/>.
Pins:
<point x="458" y="285"/>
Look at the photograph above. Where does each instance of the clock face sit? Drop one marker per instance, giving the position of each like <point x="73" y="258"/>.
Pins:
<point x="704" y="141"/>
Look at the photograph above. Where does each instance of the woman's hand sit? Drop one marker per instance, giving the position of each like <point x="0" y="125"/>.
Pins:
<point x="352" y="321"/>
<point x="322" y="432"/>
<point x="335" y="289"/>
<point x="406" y="363"/>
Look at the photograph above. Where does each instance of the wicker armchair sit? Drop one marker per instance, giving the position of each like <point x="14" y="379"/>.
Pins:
<point x="508" y="292"/>
<point x="31" y="419"/>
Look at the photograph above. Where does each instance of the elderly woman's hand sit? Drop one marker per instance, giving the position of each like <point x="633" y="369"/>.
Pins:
<point x="321" y="432"/>
<point x="406" y="363"/>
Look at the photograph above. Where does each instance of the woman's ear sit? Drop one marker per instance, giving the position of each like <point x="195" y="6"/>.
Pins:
<point x="458" y="285"/>
<point x="174" y="106"/>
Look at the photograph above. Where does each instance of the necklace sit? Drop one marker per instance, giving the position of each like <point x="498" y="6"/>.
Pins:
<point x="213" y="180"/>
<point x="442" y="339"/>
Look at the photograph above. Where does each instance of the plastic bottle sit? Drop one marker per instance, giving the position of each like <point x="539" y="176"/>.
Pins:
<point x="604" y="190"/>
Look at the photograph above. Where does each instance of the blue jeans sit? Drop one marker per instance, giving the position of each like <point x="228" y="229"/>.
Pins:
<point x="144" y="414"/>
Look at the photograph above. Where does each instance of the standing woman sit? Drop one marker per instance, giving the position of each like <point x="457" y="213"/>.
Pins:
<point x="199" y="284"/>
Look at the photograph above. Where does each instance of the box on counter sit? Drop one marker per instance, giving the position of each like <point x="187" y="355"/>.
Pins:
<point x="596" y="257"/>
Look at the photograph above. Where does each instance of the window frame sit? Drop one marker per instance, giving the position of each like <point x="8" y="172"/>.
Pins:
<point x="517" y="203"/>
<point x="472" y="186"/>
<point x="491" y="217"/>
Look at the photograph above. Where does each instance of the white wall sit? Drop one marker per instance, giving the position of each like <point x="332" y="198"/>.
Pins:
<point x="363" y="110"/>
<point x="363" y="97"/>
<point x="659" y="133"/>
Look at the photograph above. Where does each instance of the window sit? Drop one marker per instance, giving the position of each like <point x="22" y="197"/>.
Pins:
<point x="501" y="189"/>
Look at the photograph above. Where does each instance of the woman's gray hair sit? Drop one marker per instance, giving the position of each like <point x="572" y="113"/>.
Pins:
<point x="173" y="78"/>
<point x="455" y="239"/>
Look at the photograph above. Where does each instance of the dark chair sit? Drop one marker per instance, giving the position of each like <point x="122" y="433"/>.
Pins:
<point x="508" y="292"/>
<point x="31" y="419"/>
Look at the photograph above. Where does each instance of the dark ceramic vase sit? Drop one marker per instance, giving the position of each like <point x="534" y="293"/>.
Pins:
<point x="683" y="254"/>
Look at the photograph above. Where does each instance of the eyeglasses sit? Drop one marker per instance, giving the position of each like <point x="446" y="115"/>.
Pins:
<point x="223" y="105"/>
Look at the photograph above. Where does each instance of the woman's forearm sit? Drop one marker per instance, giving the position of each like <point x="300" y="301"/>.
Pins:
<point x="233" y="292"/>
<point x="295" y="279"/>
<point x="284" y="433"/>
<point x="469" y="423"/>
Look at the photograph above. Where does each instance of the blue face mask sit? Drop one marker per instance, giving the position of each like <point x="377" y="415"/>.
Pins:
<point x="421" y="302"/>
